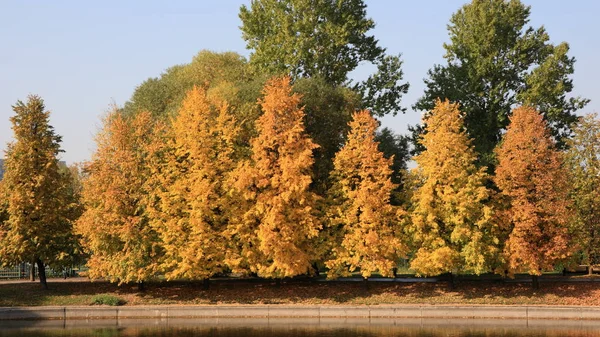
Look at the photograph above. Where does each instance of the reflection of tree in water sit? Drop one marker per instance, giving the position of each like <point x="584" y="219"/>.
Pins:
<point x="308" y="331"/>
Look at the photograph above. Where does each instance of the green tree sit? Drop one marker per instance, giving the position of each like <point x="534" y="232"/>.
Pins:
<point x="451" y="223"/>
<point x="41" y="209"/>
<point x="494" y="62"/>
<point x="583" y="159"/>
<point x="324" y="38"/>
<point x="396" y="147"/>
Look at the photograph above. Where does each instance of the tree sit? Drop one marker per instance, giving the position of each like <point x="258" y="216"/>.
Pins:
<point x="583" y="160"/>
<point x="369" y="227"/>
<point x="326" y="39"/>
<point x="532" y="179"/>
<point x="396" y="147"/>
<point x="451" y="223"/>
<point x="495" y="62"/>
<point x="40" y="210"/>
<point x="115" y="225"/>
<point x="274" y="230"/>
<point x="192" y="206"/>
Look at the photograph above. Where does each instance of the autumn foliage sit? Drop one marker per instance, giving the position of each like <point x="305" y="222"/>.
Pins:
<point x="534" y="187"/>
<point x="115" y="225"/>
<point x="369" y="228"/>
<point x="451" y="223"/>
<point x="275" y="225"/>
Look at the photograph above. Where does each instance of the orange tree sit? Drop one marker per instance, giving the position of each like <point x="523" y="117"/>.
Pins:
<point x="274" y="230"/>
<point x="535" y="192"/>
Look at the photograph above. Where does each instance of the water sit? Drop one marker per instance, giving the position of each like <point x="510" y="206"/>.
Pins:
<point x="300" y="328"/>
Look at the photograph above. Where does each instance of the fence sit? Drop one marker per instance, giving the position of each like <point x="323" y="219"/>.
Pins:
<point x="23" y="270"/>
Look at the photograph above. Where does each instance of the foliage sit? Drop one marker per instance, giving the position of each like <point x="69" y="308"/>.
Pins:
<point x="396" y="147"/>
<point x="105" y="299"/>
<point x="274" y="228"/>
<point x="115" y="225"/>
<point x="191" y="208"/>
<point x="328" y="109"/>
<point x="583" y="160"/>
<point x="326" y="39"/>
<point x="451" y="217"/>
<point x="534" y="189"/>
<point x="41" y="207"/>
<point x="368" y="226"/>
<point x="495" y="62"/>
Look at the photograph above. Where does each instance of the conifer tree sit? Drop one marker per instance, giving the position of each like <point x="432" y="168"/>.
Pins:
<point x="275" y="228"/>
<point x="534" y="185"/>
<point x="40" y="219"/>
<point x="115" y="225"/>
<point x="583" y="159"/>
<point x="192" y="207"/>
<point x="451" y="217"/>
<point x="369" y="227"/>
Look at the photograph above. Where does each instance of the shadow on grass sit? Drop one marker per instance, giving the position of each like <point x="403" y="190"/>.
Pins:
<point x="303" y="292"/>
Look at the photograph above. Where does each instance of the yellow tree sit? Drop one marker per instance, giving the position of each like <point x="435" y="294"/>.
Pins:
<point x="583" y="159"/>
<point x="368" y="227"/>
<point x="451" y="217"/>
<point x="191" y="207"/>
<point x="115" y="225"/>
<point x="39" y="206"/>
<point x="274" y="231"/>
<point x="534" y="184"/>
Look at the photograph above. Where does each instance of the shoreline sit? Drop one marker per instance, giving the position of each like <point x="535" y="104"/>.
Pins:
<point x="524" y="313"/>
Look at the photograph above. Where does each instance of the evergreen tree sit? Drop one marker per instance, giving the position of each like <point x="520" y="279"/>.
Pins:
<point x="368" y="227"/>
<point x="452" y="224"/>
<point x="534" y="185"/>
<point x="40" y="208"/>
<point x="275" y="229"/>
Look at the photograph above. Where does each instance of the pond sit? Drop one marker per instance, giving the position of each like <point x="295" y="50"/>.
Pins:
<point x="301" y="328"/>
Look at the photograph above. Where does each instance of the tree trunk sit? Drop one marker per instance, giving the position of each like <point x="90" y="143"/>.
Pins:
<point x="278" y="282"/>
<point x="32" y="272"/>
<point x="206" y="283"/>
<point x="395" y="272"/>
<point x="141" y="286"/>
<point x="366" y="283"/>
<point x="315" y="268"/>
<point x="42" y="273"/>
<point x="535" y="284"/>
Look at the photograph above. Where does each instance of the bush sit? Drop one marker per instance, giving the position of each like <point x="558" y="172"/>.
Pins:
<point x="107" y="300"/>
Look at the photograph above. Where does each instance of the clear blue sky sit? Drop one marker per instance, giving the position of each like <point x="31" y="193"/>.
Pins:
<point x="82" y="55"/>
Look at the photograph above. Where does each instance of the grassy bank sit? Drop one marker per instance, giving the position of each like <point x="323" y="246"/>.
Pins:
<point x="185" y="293"/>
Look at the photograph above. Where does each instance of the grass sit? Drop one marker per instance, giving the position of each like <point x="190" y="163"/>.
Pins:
<point x="308" y="293"/>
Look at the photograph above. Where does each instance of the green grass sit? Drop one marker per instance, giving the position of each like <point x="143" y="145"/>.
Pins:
<point x="106" y="299"/>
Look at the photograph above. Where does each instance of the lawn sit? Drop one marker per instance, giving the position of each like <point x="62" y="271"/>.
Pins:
<point x="83" y="292"/>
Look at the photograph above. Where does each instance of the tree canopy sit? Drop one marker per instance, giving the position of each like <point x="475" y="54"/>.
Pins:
<point x="326" y="39"/>
<point x="494" y="61"/>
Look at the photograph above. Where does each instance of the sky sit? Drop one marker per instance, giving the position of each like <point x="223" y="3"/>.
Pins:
<point x="82" y="56"/>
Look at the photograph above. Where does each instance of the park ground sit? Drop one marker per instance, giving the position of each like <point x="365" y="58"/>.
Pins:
<point x="580" y="290"/>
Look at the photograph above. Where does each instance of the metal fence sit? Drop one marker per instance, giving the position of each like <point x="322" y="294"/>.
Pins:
<point x="23" y="270"/>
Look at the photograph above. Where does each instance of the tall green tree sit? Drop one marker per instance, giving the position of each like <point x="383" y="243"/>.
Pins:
<point x="323" y="38"/>
<point x="583" y="159"/>
<point x="451" y="223"/>
<point x="494" y="62"/>
<point x="41" y="210"/>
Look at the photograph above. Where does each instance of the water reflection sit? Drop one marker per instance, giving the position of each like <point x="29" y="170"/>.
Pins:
<point x="301" y="328"/>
